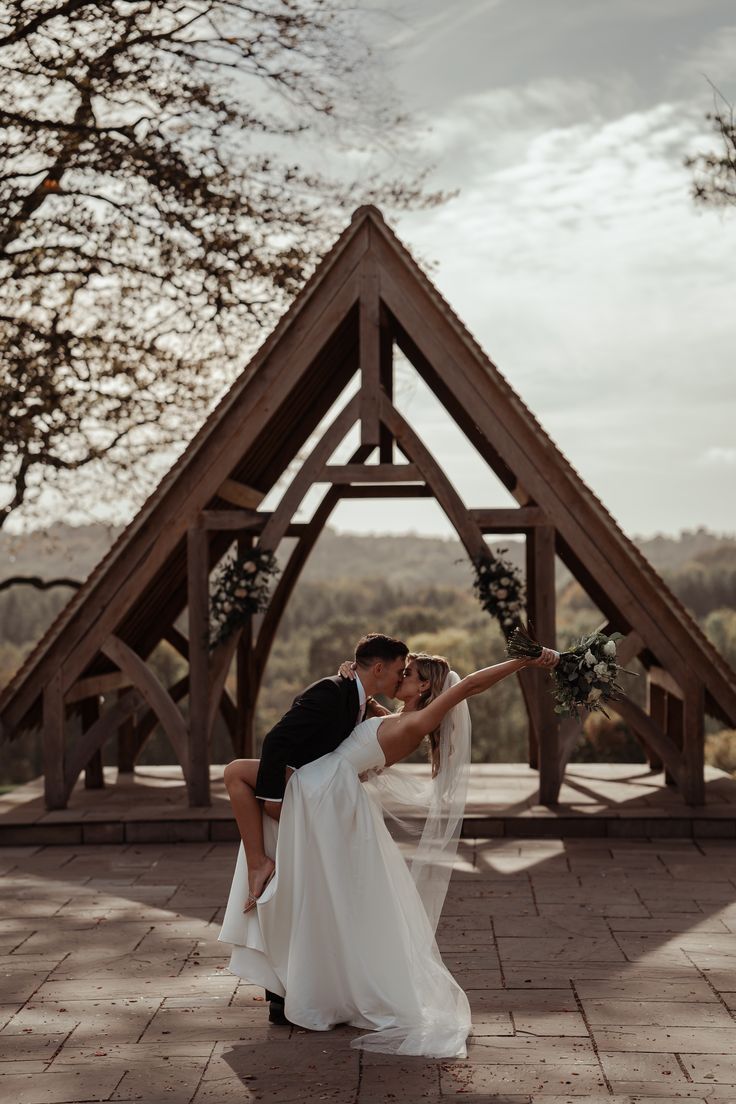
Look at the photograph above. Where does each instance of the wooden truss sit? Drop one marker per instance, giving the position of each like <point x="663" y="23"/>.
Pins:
<point x="366" y="299"/>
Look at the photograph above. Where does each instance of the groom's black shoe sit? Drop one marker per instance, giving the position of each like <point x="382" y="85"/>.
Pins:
<point x="276" y="1014"/>
<point x="276" y="1009"/>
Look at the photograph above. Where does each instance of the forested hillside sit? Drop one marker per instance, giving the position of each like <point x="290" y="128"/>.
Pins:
<point x="416" y="587"/>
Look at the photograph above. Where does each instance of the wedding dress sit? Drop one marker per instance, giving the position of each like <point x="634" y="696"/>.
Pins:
<point x="346" y="929"/>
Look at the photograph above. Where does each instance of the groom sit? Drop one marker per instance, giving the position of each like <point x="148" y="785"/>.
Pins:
<point x="324" y="714"/>
<point x="319" y="719"/>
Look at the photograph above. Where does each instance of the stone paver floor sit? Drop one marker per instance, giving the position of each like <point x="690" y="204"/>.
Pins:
<point x="597" y="970"/>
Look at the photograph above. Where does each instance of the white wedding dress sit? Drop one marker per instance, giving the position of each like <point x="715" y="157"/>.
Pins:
<point x="341" y="930"/>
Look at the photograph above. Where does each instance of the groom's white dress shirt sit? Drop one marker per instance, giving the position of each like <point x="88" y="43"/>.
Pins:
<point x="361" y="700"/>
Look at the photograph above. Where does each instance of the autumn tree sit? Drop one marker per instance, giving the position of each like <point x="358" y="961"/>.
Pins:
<point x="166" y="183"/>
<point x="714" y="172"/>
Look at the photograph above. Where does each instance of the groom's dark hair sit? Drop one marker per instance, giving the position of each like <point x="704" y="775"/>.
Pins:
<point x="375" y="647"/>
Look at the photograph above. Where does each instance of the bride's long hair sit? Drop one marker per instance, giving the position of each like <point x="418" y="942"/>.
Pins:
<point x="433" y="669"/>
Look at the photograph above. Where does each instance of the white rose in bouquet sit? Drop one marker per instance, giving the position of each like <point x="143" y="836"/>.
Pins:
<point x="601" y="669"/>
<point x="590" y="659"/>
<point x="609" y="648"/>
<point x="501" y="593"/>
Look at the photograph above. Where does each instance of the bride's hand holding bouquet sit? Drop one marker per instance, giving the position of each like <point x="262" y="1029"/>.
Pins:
<point x="585" y="676"/>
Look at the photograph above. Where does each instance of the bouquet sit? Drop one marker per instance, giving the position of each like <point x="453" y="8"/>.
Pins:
<point x="585" y="677"/>
<point x="242" y="589"/>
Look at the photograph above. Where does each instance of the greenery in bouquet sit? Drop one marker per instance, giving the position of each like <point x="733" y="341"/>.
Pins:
<point x="500" y="589"/>
<point x="242" y="589"/>
<point x="586" y="677"/>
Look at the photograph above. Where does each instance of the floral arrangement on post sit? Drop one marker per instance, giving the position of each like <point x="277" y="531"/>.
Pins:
<point x="242" y="589"/>
<point x="586" y="676"/>
<point x="500" y="589"/>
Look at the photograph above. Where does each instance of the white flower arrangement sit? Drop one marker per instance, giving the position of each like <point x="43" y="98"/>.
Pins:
<point x="242" y="588"/>
<point x="500" y="589"/>
<point x="585" y="677"/>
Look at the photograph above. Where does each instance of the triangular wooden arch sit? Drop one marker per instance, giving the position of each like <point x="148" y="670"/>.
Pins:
<point x="366" y="296"/>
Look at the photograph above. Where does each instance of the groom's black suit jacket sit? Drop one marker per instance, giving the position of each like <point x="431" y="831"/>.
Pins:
<point x="319" y="719"/>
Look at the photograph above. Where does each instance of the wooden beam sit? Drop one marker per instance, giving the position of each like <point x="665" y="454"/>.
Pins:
<point x="128" y="703"/>
<point x="244" y="736"/>
<point x="177" y="640"/>
<point x="650" y="732"/>
<point x="55" y="791"/>
<point x="94" y="775"/>
<point x="308" y="474"/>
<point x="386" y="441"/>
<point x="95" y="685"/>
<point x="692" y="778"/>
<point x="659" y="677"/>
<point x="675" y="726"/>
<point x="369" y="352"/>
<point x="422" y="460"/>
<point x="144" y="679"/>
<point x="540" y="585"/>
<point x="228" y="519"/>
<point x="370" y="473"/>
<point x="243" y="521"/>
<point x="289" y="577"/>
<point x="147" y="720"/>
<point x="570" y="731"/>
<point x="657" y="710"/>
<point x="628" y="648"/>
<point x="518" y="519"/>
<point x="219" y="667"/>
<point x="265" y="628"/>
<point x="388" y="490"/>
<point x="198" y="771"/>
<point x="239" y="495"/>
<point x="127" y="743"/>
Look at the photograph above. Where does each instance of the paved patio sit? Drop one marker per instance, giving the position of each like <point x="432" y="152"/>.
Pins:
<point x="612" y="800"/>
<point x="597" y="970"/>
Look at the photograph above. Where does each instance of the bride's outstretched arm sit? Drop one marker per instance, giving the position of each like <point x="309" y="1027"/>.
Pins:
<point x="401" y="734"/>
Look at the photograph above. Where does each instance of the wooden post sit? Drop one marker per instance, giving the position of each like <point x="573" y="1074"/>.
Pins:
<point x="198" y="781"/>
<point x="675" y="723"/>
<point x="657" y="710"/>
<point x="94" y="775"/>
<point x="246" y="687"/>
<point x="540" y="576"/>
<point x="127" y="743"/>
<point x="53" y="743"/>
<point x="386" y="445"/>
<point x="245" y="680"/>
<point x="370" y="354"/>
<point x="692" y="778"/>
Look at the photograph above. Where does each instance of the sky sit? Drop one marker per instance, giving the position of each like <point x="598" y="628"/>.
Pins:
<point x="571" y="247"/>
<point x="573" y="250"/>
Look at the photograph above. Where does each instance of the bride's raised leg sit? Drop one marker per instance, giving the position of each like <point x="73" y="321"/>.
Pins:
<point x="240" y="781"/>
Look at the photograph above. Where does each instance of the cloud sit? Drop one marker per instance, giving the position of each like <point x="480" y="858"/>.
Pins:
<point x="719" y="456"/>
<point x="605" y="298"/>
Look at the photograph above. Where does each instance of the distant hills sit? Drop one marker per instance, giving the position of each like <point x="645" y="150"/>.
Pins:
<point x="64" y="550"/>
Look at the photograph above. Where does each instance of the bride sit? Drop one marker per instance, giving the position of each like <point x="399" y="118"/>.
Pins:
<point x="345" y="929"/>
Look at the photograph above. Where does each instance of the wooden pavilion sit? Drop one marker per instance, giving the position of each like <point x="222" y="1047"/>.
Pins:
<point x="366" y="298"/>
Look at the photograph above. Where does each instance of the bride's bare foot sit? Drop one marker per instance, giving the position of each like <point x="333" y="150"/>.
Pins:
<point x="258" y="879"/>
